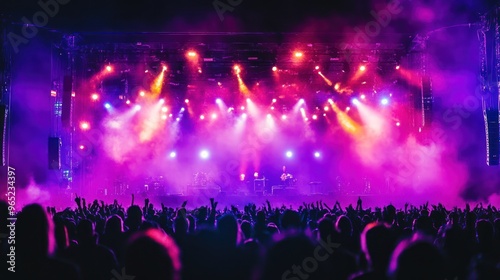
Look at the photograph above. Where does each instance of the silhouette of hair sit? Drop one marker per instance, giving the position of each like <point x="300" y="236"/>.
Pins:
<point x="114" y="225"/>
<point x="152" y="255"/>
<point x="35" y="233"/>
<point x="417" y="259"/>
<point x="377" y="245"/>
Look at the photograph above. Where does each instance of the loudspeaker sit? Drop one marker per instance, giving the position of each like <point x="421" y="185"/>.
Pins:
<point x="3" y="135"/>
<point x="427" y="101"/>
<point x="54" y="153"/>
<point x="67" y="101"/>
<point x="492" y="136"/>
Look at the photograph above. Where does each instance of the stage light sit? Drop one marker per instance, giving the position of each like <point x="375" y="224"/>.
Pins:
<point x="218" y="101"/>
<point x="347" y="109"/>
<point x="317" y="154"/>
<point x="183" y="109"/>
<point x="274" y="100"/>
<point x="84" y="125"/>
<point x="214" y="116"/>
<point x="109" y="68"/>
<point x="289" y="154"/>
<point x="398" y="124"/>
<point x="384" y="101"/>
<point x="362" y="68"/>
<point x="397" y="67"/>
<point x="230" y="109"/>
<point x="94" y="96"/>
<point x="191" y="54"/>
<point x="256" y="174"/>
<point x="244" y="115"/>
<point x="330" y="101"/>
<point x="204" y="154"/>
<point x="237" y="69"/>
<point x="164" y="68"/>
<point x="161" y="101"/>
<point x="81" y="147"/>
<point x="355" y="101"/>
<point x="316" y="68"/>
<point x="142" y="93"/>
<point x="363" y="96"/>
<point x="248" y="100"/>
<point x="242" y="177"/>
<point x="269" y="116"/>
<point x="173" y="154"/>
<point x="301" y="101"/>
<point x="298" y="54"/>
<point x="326" y="108"/>
<point x="164" y="109"/>
<point x="164" y="117"/>
<point x="272" y="107"/>
<point x="186" y="101"/>
<point x="170" y="115"/>
<point x="202" y="117"/>
<point x="107" y="105"/>
<point x="283" y="117"/>
<point x="137" y="107"/>
<point x="242" y="107"/>
<point x="336" y="86"/>
<point x="146" y="71"/>
<point x="306" y="119"/>
<point x="324" y="115"/>
<point x="127" y="102"/>
<point x="73" y="94"/>
<point x="200" y="71"/>
<point x="219" y="83"/>
<point x="315" y="117"/>
<point x="275" y="68"/>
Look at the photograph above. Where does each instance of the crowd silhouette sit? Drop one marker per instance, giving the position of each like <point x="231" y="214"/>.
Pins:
<point x="93" y="241"/>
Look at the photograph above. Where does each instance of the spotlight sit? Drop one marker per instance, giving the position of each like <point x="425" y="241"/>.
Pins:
<point x="242" y="107"/>
<point x="384" y="101"/>
<point x="330" y="101"/>
<point x="275" y="68"/>
<point x="164" y="109"/>
<point x="127" y="102"/>
<point x="186" y="101"/>
<point x="326" y="108"/>
<point x="191" y="54"/>
<point x="177" y="119"/>
<point x="256" y="174"/>
<point x="355" y="101"/>
<point x="204" y="154"/>
<point x="317" y="154"/>
<point x="218" y="101"/>
<point x="214" y="116"/>
<point x="248" y="100"/>
<point x="242" y="177"/>
<point x="109" y="68"/>
<point x="283" y="117"/>
<point x="142" y="93"/>
<point x="137" y="107"/>
<point x="362" y="68"/>
<point x="164" y="117"/>
<point x="324" y="115"/>
<point x="237" y="69"/>
<point x="336" y="86"/>
<point x="315" y="117"/>
<point x="274" y="100"/>
<point x="162" y="101"/>
<point x="164" y="68"/>
<point x="219" y="83"/>
<point x="81" y="147"/>
<point x="398" y="124"/>
<point x="348" y="109"/>
<point x="289" y="154"/>
<point x="317" y="67"/>
<point x="173" y="154"/>
<point x="301" y="101"/>
<point x="244" y="115"/>
<point x="298" y="54"/>
<point x="272" y="107"/>
<point x="94" y="96"/>
<point x="84" y="125"/>
<point x="268" y="116"/>
<point x="107" y="105"/>
<point x="363" y="96"/>
<point x="182" y="109"/>
<point x="397" y="67"/>
<point x="170" y="115"/>
<point x="202" y="117"/>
